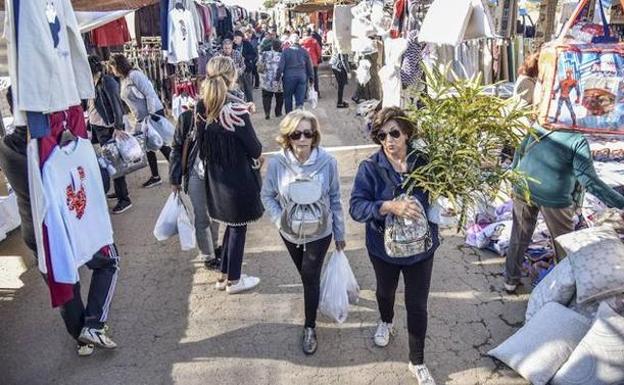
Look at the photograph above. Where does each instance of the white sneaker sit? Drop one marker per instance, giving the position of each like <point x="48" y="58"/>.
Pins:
<point x="85" y="350"/>
<point x="96" y="337"/>
<point x="422" y="374"/>
<point x="383" y="333"/>
<point x="244" y="283"/>
<point x="221" y="285"/>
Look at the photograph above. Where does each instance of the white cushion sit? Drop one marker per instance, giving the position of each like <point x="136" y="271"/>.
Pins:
<point x="558" y="286"/>
<point x="544" y="344"/>
<point x="597" y="259"/>
<point x="599" y="357"/>
<point x="577" y="240"/>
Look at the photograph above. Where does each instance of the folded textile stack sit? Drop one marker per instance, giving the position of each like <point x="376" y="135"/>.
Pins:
<point x="585" y="294"/>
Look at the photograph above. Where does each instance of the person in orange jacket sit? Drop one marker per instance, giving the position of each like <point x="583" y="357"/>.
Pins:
<point x="310" y="44"/>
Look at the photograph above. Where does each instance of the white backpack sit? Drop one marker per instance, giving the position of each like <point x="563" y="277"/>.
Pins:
<point x="305" y="214"/>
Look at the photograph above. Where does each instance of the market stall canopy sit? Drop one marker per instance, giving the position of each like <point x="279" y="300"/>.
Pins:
<point x="452" y="22"/>
<point x="105" y="5"/>
<point x="306" y="6"/>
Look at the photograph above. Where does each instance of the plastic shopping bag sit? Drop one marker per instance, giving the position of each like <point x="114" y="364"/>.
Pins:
<point x="163" y="126"/>
<point x="186" y="229"/>
<point x="313" y="98"/>
<point x="338" y="286"/>
<point x="153" y="140"/>
<point x="167" y="223"/>
<point x="129" y="148"/>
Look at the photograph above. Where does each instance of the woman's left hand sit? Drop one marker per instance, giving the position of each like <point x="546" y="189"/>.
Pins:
<point x="252" y="107"/>
<point x="340" y="245"/>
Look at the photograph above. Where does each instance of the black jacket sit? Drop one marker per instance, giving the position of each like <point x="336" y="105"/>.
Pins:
<point x="108" y="101"/>
<point x="177" y="175"/>
<point x="250" y="54"/>
<point x="232" y="184"/>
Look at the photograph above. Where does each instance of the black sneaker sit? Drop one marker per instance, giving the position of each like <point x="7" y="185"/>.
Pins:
<point x="152" y="182"/>
<point x="111" y="196"/>
<point x="342" y="105"/>
<point x="267" y="117"/>
<point x="121" y="207"/>
<point x="309" y="343"/>
<point x="213" y="263"/>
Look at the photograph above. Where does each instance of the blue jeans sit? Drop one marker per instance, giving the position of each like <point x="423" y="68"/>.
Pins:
<point x="294" y="86"/>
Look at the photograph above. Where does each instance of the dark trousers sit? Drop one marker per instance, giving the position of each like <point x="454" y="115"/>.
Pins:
<point x="14" y="164"/>
<point x="309" y="263"/>
<point x="316" y="81"/>
<point x="417" y="278"/>
<point x="233" y="250"/>
<point x="105" y="134"/>
<point x="267" y="97"/>
<point x="294" y="87"/>
<point x="246" y="81"/>
<point x="153" y="162"/>
<point x="256" y="77"/>
<point x="342" y="79"/>
<point x="103" y="281"/>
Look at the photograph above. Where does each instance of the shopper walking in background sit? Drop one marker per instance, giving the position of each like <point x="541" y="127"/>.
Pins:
<point x="106" y="122"/>
<point x="228" y="51"/>
<point x="250" y="55"/>
<point x="377" y="182"/>
<point x="295" y="72"/>
<point x="311" y="45"/>
<point x="139" y="94"/>
<point x="230" y="152"/>
<point x="341" y="69"/>
<point x="301" y="154"/>
<point x="271" y="87"/>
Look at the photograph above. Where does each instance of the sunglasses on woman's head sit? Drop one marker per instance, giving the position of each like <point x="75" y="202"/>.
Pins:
<point x="396" y="134"/>
<point x="296" y="135"/>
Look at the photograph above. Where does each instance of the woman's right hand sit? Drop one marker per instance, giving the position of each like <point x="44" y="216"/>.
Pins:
<point x="120" y="134"/>
<point x="175" y="188"/>
<point x="403" y="208"/>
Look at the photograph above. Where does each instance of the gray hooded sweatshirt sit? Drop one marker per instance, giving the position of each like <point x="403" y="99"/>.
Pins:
<point x="278" y="177"/>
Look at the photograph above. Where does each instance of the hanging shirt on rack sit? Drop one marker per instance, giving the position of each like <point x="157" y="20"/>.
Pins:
<point x="111" y="34"/>
<point x="182" y="37"/>
<point x="75" y="203"/>
<point x="50" y="56"/>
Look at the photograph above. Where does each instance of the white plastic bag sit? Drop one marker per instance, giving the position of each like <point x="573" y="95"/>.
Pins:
<point x="167" y="223"/>
<point x="442" y="213"/>
<point x="9" y="214"/>
<point x="129" y="148"/>
<point x="186" y="229"/>
<point x="164" y="128"/>
<point x="153" y="140"/>
<point x="313" y="98"/>
<point x="338" y="286"/>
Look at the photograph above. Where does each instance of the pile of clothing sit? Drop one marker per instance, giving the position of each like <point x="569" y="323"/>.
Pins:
<point x="584" y="293"/>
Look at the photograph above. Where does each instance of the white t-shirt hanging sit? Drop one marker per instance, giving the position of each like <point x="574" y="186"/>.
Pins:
<point x="76" y="211"/>
<point x="182" y="36"/>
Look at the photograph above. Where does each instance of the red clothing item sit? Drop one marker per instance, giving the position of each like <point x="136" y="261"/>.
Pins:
<point x="111" y="34"/>
<point x="314" y="50"/>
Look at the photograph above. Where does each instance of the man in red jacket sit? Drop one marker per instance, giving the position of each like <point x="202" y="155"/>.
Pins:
<point x="310" y="44"/>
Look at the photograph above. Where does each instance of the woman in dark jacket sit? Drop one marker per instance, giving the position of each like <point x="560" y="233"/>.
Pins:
<point x="377" y="183"/>
<point x="106" y="122"/>
<point x="230" y="149"/>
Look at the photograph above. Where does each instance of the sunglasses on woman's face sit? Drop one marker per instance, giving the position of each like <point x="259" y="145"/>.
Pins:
<point x="296" y="135"/>
<point x="396" y="134"/>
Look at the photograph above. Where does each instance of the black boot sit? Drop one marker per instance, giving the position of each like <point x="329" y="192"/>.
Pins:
<point x="309" y="343"/>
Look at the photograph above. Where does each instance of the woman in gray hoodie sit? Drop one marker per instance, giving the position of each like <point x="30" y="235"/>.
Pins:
<point x="303" y="159"/>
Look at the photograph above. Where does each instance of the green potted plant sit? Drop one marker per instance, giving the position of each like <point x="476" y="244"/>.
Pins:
<point x="462" y="130"/>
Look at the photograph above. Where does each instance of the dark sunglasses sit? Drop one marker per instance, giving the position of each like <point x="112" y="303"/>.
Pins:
<point x="396" y="134"/>
<point x="296" y="135"/>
